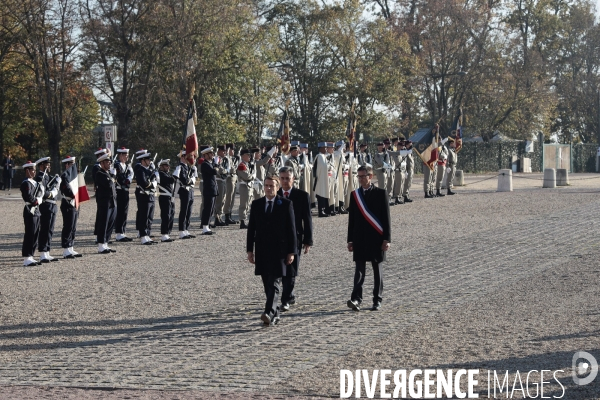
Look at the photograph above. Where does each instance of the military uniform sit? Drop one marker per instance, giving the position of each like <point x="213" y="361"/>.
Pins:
<point x="246" y="175"/>
<point x="410" y="171"/>
<point x="364" y="158"/>
<point x="332" y="173"/>
<point x="294" y="164"/>
<point x="391" y="172"/>
<point x="222" y="167"/>
<point x="452" y="160"/>
<point x="124" y="176"/>
<point x="380" y="162"/>
<point x="230" y="186"/>
<point x="31" y="216"/>
<point x="68" y="208"/>
<point x="320" y="174"/>
<point x="146" y="180"/>
<point x="186" y="175"/>
<point x="95" y="168"/>
<point x="48" y="210"/>
<point x="441" y="169"/>
<point x="166" y="201"/>
<point x="106" y="202"/>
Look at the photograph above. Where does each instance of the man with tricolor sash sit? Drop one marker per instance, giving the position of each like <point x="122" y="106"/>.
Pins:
<point x="369" y="235"/>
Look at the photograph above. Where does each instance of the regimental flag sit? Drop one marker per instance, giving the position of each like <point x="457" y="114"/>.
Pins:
<point x="283" y="135"/>
<point x="190" y="138"/>
<point x="351" y="128"/>
<point x="457" y="130"/>
<point x="431" y="152"/>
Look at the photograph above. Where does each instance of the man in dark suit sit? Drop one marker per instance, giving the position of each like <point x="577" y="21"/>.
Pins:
<point x="209" y="188"/>
<point x="271" y="244"/>
<point x="368" y="235"/>
<point x="8" y="164"/>
<point x="301" y="204"/>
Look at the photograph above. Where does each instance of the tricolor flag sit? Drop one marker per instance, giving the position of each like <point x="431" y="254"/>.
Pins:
<point x="283" y="135"/>
<point x="190" y="138"/>
<point x="351" y="128"/>
<point x="457" y="129"/>
<point x="81" y="190"/>
<point x="430" y="154"/>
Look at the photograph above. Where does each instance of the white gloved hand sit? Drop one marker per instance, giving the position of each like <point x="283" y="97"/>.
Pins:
<point x="152" y="165"/>
<point x="39" y="199"/>
<point x="193" y="181"/>
<point x="448" y="170"/>
<point x="157" y="175"/>
<point x="154" y="184"/>
<point x="58" y="181"/>
<point x="272" y="151"/>
<point x="112" y="171"/>
<point x="53" y="193"/>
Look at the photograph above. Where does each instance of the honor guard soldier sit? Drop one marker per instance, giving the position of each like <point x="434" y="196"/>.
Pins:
<point x="305" y="174"/>
<point x="441" y="169"/>
<point x="166" y="201"/>
<point x="332" y="163"/>
<point x="99" y="153"/>
<point x="246" y="175"/>
<point x="452" y="160"/>
<point x="341" y="171"/>
<point x="68" y="207"/>
<point x="186" y="173"/>
<point x="222" y="166"/>
<point x="399" y="165"/>
<point x="389" y="185"/>
<point x="429" y="179"/>
<point x="32" y="193"/>
<point x="230" y="183"/>
<point x="146" y="180"/>
<point x="48" y="208"/>
<point x="380" y="166"/>
<point x="294" y="163"/>
<point x="259" y="156"/>
<point x="321" y="180"/>
<point x="364" y="157"/>
<point x="410" y="171"/>
<point x="209" y="189"/>
<point x="124" y="177"/>
<point x="106" y="202"/>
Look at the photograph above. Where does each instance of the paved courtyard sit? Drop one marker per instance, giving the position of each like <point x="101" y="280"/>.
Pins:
<point x="481" y="280"/>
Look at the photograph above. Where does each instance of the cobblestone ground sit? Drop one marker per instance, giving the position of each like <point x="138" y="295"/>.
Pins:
<point x="499" y="281"/>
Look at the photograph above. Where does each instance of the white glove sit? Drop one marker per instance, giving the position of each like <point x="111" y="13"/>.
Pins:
<point x="152" y="165"/>
<point x="112" y="171"/>
<point x="39" y="199"/>
<point x="193" y="180"/>
<point x="195" y="171"/>
<point x="272" y="151"/>
<point x="53" y="193"/>
<point x="58" y="181"/>
<point x="157" y="175"/>
<point x="448" y="170"/>
<point x="154" y="184"/>
<point x="177" y="171"/>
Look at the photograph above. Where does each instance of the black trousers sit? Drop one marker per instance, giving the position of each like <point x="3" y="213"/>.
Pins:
<point x="145" y="213"/>
<point x="69" y="216"/>
<point x="208" y="208"/>
<point x="272" y="285"/>
<point x="185" y="211"/>
<point x="289" y="281"/>
<point x="48" y="213"/>
<point x="7" y="184"/>
<point x="323" y="205"/>
<point x="359" y="280"/>
<point x="167" y="214"/>
<point x="106" y="214"/>
<point x="122" y="210"/>
<point x="32" y="231"/>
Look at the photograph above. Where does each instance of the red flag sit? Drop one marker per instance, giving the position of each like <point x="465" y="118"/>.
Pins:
<point x="81" y="193"/>
<point x="191" y="140"/>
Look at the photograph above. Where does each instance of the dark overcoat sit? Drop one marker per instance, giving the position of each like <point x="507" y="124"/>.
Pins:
<point x="364" y="237"/>
<point x="303" y="220"/>
<point x="271" y="236"/>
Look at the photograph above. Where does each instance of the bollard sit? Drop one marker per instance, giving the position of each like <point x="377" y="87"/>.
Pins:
<point x="459" y="178"/>
<point x="562" y="177"/>
<point x="549" y="178"/>
<point x="505" y="180"/>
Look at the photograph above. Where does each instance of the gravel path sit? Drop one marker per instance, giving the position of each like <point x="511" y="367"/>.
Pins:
<point x="495" y="281"/>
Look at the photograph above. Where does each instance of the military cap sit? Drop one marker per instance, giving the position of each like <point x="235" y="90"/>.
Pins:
<point x="167" y="161"/>
<point x="43" y="160"/>
<point x="245" y="151"/>
<point x="144" y="155"/>
<point x="208" y="149"/>
<point x="122" y="150"/>
<point x="292" y="148"/>
<point x="304" y="145"/>
<point x="29" y="164"/>
<point x="106" y="156"/>
<point x="221" y="147"/>
<point x="322" y="144"/>
<point x="100" y="151"/>
<point x="68" y="159"/>
<point x="254" y="150"/>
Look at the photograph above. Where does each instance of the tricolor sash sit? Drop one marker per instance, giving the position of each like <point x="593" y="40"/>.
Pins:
<point x="368" y="214"/>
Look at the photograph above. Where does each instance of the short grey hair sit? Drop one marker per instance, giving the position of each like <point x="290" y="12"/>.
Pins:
<point x="367" y="168"/>
<point x="289" y="170"/>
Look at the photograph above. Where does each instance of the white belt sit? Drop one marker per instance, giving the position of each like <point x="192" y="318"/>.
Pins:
<point x="164" y="191"/>
<point x="67" y="198"/>
<point x="50" y="201"/>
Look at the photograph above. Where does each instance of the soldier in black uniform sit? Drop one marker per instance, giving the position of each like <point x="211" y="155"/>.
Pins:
<point x="68" y="208"/>
<point x="209" y="188"/>
<point x="48" y="208"/>
<point x="106" y="201"/>
<point x="186" y="173"/>
<point x="124" y="175"/>
<point x="166" y="201"/>
<point x="146" y="180"/>
<point x="99" y="153"/>
<point x="32" y="195"/>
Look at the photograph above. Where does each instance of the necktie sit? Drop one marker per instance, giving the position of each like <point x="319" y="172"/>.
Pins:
<point x="286" y="194"/>
<point x="270" y="207"/>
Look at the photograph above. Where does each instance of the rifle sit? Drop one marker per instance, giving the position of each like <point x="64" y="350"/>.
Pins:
<point x="37" y="191"/>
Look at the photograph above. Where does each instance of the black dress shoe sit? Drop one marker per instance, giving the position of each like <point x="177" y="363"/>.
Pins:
<point x="323" y="215"/>
<point x="54" y="259"/>
<point x="353" y="304"/>
<point x="125" y="239"/>
<point x="343" y="210"/>
<point x="78" y="255"/>
<point x="407" y="199"/>
<point x="243" y="225"/>
<point x="167" y="240"/>
<point x="285" y="307"/>
<point x="276" y="321"/>
<point x="212" y="226"/>
<point x="112" y="250"/>
<point x="186" y="237"/>
<point x="69" y="256"/>
<point x="192" y="236"/>
<point x="451" y="193"/>
<point x="208" y="233"/>
<point x="376" y="306"/>
<point x="148" y="243"/>
<point x="265" y="319"/>
<point x="45" y="261"/>
<point x="292" y="301"/>
<point x="218" y="222"/>
<point x="428" y="196"/>
<point x="439" y="194"/>
<point x="105" y="251"/>
<point x="398" y="201"/>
